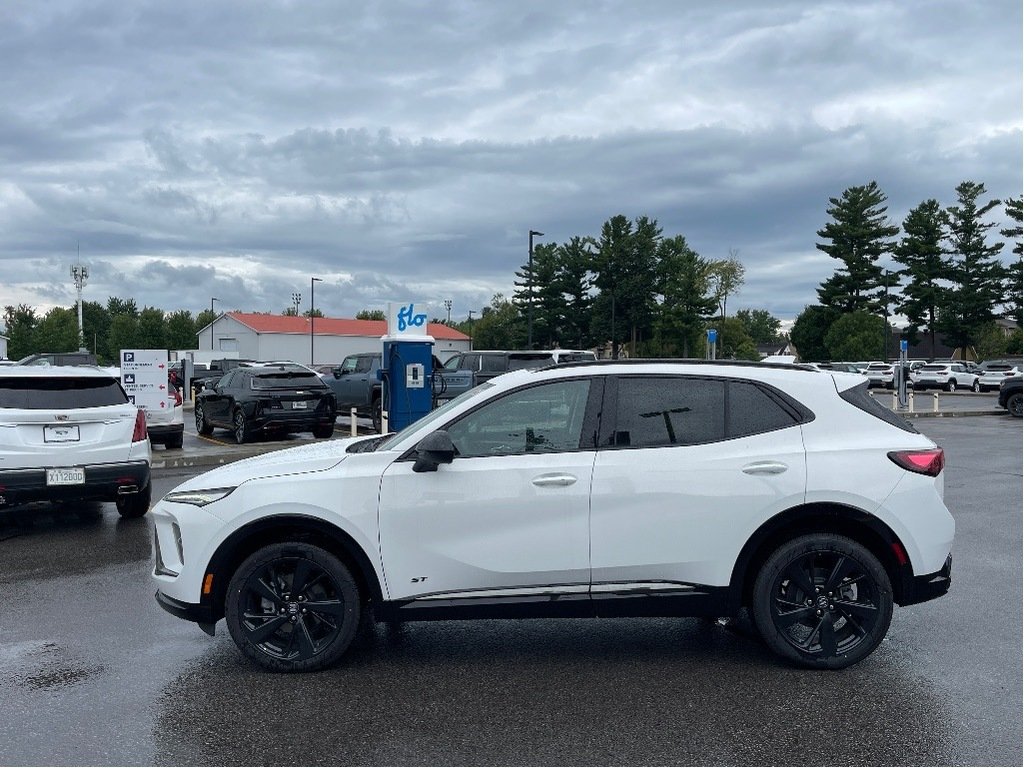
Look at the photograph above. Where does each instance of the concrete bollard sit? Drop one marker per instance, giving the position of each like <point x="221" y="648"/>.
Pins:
<point x="895" y="400"/>
<point x="383" y="422"/>
<point x="910" y="401"/>
<point x="935" y="403"/>
<point x="354" y="429"/>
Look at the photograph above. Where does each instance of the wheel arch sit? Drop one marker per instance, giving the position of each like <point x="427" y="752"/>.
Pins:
<point x="861" y="526"/>
<point x="280" y="528"/>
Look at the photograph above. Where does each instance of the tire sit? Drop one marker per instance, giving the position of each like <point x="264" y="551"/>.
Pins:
<point x="135" y="504"/>
<point x="976" y="387"/>
<point x="951" y="385"/>
<point x="832" y="632"/>
<point x="1014" y="404"/>
<point x="376" y="414"/>
<point x="203" y="427"/>
<point x="321" y="431"/>
<point x="272" y="619"/>
<point x="240" y="426"/>
<point x="175" y="441"/>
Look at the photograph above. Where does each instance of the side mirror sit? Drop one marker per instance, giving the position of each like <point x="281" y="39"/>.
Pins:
<point x="434" y="450"/>
<point x="336" y="372"/>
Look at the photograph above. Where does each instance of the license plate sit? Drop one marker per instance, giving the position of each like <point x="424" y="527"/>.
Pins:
<point x="61" y="433"/>
<point x="65" y="476"/>
<point x="298" y="404"/>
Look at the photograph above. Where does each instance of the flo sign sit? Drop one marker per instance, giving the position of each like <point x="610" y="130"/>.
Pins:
<point x="144" y="378"/>
<point x="406" y="321"/>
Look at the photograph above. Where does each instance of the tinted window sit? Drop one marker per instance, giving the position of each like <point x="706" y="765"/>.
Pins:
<point x="366" y="364"/>
<point x="472" y="362"/>
<point x="752" y="410"/>
<point x="287" y="380"/>
<point x="454" y="363"/>
<point x="529" y="360"/>
<point x="858" y="396"/>
<point x="543" y="419"/>
<point x="60" y="392"/>
<point x="676" y="410"/>
<point x="493" y="363"/>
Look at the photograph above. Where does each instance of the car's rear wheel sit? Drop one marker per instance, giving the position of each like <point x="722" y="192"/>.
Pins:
<point x="293" y="607"/>
<point x="323" y="430"/>
<point x="240" y="426"/>
<point x="823" y="601"/>
<point x="203" y="427"/>
<point x="1015" y="404"/>
<point x="951" y="385"/>
<point x="135" y="504"/>
<point x="976" y="387"/>
<point x="376" y="414"/>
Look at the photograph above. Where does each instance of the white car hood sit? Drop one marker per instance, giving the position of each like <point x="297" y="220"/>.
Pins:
<point x="314" y="457"/>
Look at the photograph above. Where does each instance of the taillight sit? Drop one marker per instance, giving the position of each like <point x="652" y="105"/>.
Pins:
<point x="928" y="462"/>
<point x="140" y="427"/>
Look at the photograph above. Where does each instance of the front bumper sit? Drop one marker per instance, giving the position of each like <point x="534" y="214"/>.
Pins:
<point x="200" y="614"/>
<point x="103" y="482"/>
<point x="920" y="589"/>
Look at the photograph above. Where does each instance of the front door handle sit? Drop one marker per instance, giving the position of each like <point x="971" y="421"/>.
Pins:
<point x="550" y="481"/>
<point x="765" y="468"/>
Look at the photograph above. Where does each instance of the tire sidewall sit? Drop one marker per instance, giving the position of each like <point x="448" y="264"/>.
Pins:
<point x="323" y="559"/>
<point x="780" y="559"/>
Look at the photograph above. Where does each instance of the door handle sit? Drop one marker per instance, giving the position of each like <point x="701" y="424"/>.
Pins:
<point x="765" y="468"/>
<point x="550" y="481"/>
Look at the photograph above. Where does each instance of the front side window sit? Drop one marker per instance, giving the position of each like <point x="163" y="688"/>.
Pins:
<point x="350" y="364"/>
<point x="657" y="411"/>
<point x="543" y="419"/>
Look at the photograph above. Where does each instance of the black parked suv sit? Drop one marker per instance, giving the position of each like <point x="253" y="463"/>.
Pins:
<point x="1010" y="396"/>
<point x="273" y="398"/>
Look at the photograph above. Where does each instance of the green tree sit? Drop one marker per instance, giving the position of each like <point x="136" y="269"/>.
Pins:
<point x="857" y="237"/>
<point x="733" y="343"/>
<point x="95" y="328"/>
<point x="809" y="330"/>
<point x="993" y="342"/>
<point x="151" y="329"/>
<point x="203" y="319"/>
<point x="21" y="322"/>
<point x="543" y="290"/>
<point x="124" y="334"/>
<point x="725" y="277"/>
<point x="501" y="326"/>
<point x="855" y="336"/>
<point x="371" y="314"/>
<point x="1013" y="299"/>
<point x="760" y="325"/>
<point x="683" y="282"/>
<point x="575" y="261"/>
<point x="180" y="330"/>
<point x="972" y="267"/>
<point x="314" y="312"/>
<point x="57" y="331"/>
<point x="119" y="306"/>
<point x="920" y="252"/>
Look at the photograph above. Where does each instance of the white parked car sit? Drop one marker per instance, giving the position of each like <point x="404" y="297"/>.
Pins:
<point x="70" y="434"/>
<point x="881" y="375"/>
<point x="167" y="425"/>
<point x="599" y="489"/>
<point x="948" y="376"/>
<point x="994" y="372"/>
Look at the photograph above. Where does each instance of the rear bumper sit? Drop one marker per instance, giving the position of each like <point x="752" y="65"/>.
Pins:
<point x="103" y="482"/>
<point x="298" y="422"/>
<point x="920" y="589"/>
<point x="164" y="430"/>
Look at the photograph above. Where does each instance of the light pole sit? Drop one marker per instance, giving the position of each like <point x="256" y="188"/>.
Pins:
<point x="212" y="299"/>
<point x="448" y="308"/>
<point x="529" y="320"/>
<point x="80" y="274"/>
<point x="471" y="313"/>
<point x="296" y="300"/>
<point x="312" y="307"/>
<point x="885" y="321"/>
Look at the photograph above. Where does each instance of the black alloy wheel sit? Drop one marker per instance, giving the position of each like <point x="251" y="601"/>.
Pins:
<point x="203" y="427"/>
<point x="377" y="415"/>
<point x="240" y="426"/>
<point x="977" y="386"/>
<point x="293" y="607"/>
<point x="1015" y="404"/>
<point x="951" y="385"/>
<point x="822" y="601"/>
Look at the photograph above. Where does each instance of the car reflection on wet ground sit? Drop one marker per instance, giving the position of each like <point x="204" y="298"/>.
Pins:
<point x="93" y="672"/>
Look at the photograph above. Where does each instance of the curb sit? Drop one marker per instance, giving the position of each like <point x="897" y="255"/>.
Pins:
<point x="948" y="414"/>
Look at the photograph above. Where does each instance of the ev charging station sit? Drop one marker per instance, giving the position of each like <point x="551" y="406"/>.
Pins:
<point x="406" y="367"/>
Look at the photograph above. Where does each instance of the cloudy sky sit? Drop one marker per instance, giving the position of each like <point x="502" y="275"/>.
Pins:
<point x="403" y="150"/>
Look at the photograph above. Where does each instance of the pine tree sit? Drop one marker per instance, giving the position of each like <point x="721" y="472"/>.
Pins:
<point x="1012" y="285"/>
<point x="688" y="301"/>
<point x="920" y="251"/>
<point x="858" y="235"/>
<point x="575" y="276"/>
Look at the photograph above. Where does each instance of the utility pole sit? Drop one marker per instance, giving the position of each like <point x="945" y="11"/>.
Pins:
<point x="296" y="300"/>
<point x="448" y="308"/>
<point x="312" y="319"/>
<point x="80" y="275"/>
<point x="529" y="321"/>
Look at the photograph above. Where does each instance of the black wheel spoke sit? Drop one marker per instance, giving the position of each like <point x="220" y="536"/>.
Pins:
<point x="860" y="610"/>
<point x="796" y="573"/>
<point x="842" y="569"/>
<point x="827" y="636"/>
<point x="299" y="577"/>
<point x="262" y="589"/>
<point x="307" y="648"/>
<point x="261" y="633"/>
<point x="785" y="619"/>
<point x="331" y="607"/>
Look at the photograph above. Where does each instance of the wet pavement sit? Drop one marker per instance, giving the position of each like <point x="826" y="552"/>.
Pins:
<point x="93" y="672"/>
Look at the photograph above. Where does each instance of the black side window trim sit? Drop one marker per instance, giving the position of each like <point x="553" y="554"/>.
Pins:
<point x="800" y="413"/>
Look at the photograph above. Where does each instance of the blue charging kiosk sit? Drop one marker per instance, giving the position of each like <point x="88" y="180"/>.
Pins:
<point x="407" y="366"/>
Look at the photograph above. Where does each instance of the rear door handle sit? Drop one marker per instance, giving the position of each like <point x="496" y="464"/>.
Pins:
<point x="765" y="468"/>
<point x="549" y="481"/>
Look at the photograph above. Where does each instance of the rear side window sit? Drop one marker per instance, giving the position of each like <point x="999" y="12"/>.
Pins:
<point x="538" y="360"/>
<point x="60" y="393"/>
<point x="492" y="363"/>
<point x="751" y="410"/>
<point x="670" y="410"/>
<point x="858" y="397"/>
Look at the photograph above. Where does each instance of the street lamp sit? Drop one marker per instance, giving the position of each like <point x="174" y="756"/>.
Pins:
<point x="448" y="307"/>
<point x="80" y="275"/>
<point x="529" y="321"/>
<point x="471" y="313"/>
<point x="885" y="321"/>
<point x="212" y="299"/>
<point x="312" y="280"/>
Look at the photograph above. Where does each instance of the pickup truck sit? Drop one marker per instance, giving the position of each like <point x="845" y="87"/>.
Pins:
<point x="217" y="369"/>
<point x="356" y="384"/>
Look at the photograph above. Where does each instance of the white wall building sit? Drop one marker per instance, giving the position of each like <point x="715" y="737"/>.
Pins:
<point x="283" y="337"/>
<point x="3" y="347"/>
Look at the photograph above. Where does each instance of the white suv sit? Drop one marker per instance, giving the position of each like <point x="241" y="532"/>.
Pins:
<point x="70" y="434"/>
<point x="629" y="488"/>
<point x="947" y="376"/>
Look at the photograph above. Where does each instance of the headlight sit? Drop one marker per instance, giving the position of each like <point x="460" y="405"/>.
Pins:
<point x="198" y="498"/>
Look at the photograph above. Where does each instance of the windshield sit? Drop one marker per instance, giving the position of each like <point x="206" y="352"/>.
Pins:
<point x="433" y="417"/>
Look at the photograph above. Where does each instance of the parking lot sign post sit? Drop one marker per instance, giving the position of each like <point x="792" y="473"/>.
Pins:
<point x="902" y="373"/>
<point x="144" y="378"/>
<point x="712" y="343"/>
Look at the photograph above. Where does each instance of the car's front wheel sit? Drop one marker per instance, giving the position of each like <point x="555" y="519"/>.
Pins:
<point x="822" y="601"/>
<point x="976" y="387"/>
<point x="1015" y="404"/>
<point x="293" y="607"/>
<point x="951" y="385"/>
